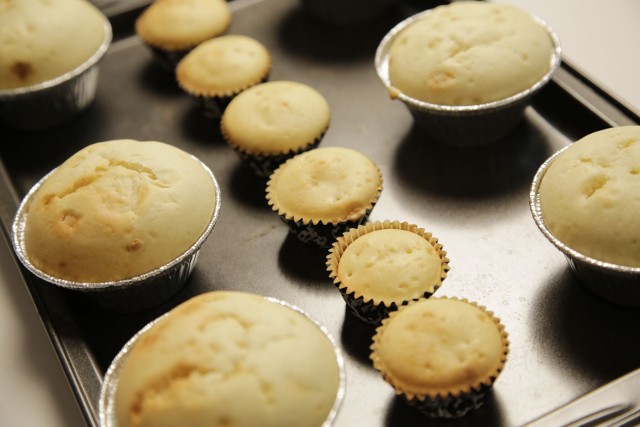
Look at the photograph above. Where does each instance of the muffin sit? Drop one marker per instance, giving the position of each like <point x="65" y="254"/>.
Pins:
<point x="226" y="358"/>
<point x="119" y="214"/>
<point x="322" y="193"/>
<point x="381" y="266"/>
<point x="467" y="70"/>
<point x="441" y="354"/>
<point x="219" y="69"/>
<point x="585" y="200"/>
<point x="171" y="28"/>
<point x="271" y="122"/>
<point x="345" y="12"/>
<point x="47" y="73"/>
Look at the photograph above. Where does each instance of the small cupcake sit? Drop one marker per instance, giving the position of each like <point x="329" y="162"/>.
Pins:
<point x="442" y="64"/>
<point x="121" y="221"/>
<point x="171" y="28"/>
<point x="322" y="193"/>
<point x="381" y="266"/>
<point x="221" y="68"/>
<point x="226" y="359"/>
<point x="441" y="354"/>
<point x="584" y="199"/>
<point x="271" y="122"/>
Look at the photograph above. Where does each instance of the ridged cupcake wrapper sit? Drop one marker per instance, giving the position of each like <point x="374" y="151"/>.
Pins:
<point x="128" y="295"/>
<point x="166" y="58"/>
<point x="213" y="106"/>
<point x="450" y="406"/>
<point x="50" y="103"/>
<point x="456" y="402"/>
<point x="321" y="234"/>
<point x="368" y="310"/>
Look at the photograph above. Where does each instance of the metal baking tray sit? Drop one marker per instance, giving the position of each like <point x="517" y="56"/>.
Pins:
<point x="565" y="342"/>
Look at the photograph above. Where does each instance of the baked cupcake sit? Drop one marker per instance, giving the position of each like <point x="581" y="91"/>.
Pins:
<point x="443" y="64"/>
<point x="227" y="359"/>
<point x="271" y="122"/>
<point x="47" y="73"/>
<point x="171" y="28"/>
<point x="381" y="266"/>
<point x="322" y="193"/>
<point x="219" y="69"/>
<point x="585" y="200"/>
<point x="441" y="354"/>
<point x="122" y="220"/>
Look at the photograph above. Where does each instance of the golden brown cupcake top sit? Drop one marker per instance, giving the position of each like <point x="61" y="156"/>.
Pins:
<point x="118" y="209"/>
<point x="275" y="118"/>
<point x="174" y="25"/>
<point x="224" y="66"/>
<point x="328" y="185"/>
<point x="589" y="196"/>
<point x="388" y="262"/>
<point x="439" y="346"/>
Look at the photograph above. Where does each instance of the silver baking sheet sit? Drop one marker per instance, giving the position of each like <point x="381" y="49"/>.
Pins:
<point x="565" y="342"/>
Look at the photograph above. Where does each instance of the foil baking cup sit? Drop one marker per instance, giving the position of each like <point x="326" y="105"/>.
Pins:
<point x="107" y="415"/>
<point x="128" y="295"/>
<point x="47" y="104"/>
<point x="615" y="283"/>
<point x="465" y="125"/>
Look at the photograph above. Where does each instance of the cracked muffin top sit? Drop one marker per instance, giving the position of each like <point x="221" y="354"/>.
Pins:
<point x="39" y="39"/>
<point x="589" y="196"/>
<point x="468" y="53"/>
<point x="118" y="209"/>
<point x="229" y="359"/>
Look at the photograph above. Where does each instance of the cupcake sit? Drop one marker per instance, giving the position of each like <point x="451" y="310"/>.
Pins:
<point x="121" y="220"/>
<point x="47" y="73"/>
<point x="441" y="354"/>
<point x="443" y="64"/>
<point x="322" y="193"/>
<point x="271" y="122"/>
<point x="219" y="69"/>
<point x="345" y="12"/>
<point x="227" y="359"/>
<point x="585" y="201"/>
<point x="171" y="28"/>
<point x="381" y="266"/>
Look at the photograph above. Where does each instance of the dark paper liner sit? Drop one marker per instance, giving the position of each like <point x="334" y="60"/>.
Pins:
<point x="166" y="58"/>
<point x="450" y="406"/>
<point x="367" y="310"/>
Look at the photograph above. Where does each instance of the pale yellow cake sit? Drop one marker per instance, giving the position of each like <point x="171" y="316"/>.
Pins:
<point x="174" y="25"/>
<point x="469" y="52"/>
<point x="229" y="359"/>
<point x="439" y="346"/>
<point x="39" y="39"/>
<point x="325" y="185"/>
<point x="277" y="117"/>
<point x="224" y="66"/>
<point x="388" y="263"/>
<point x="118" y="209"/>
<point x="589" y="196"/>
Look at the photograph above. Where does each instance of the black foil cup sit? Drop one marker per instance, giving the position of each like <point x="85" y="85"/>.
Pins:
<point x="450" y="406"/>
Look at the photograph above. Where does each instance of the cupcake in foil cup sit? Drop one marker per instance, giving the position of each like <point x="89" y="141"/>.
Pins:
<point x="322" y="193"/>
<point x="584" y="201"/>
<point x="120" y="221"/>
<point x="429" y="351"/>
<point x="269" y="123"/>
<point x="49" y="76"/>
<point x="453" y="88"/>
<point x="172" y="28"/>
<point x="219" y="69"/>
<point x="345" y="12"/>
<point x="381" y="266"/>
<point x="194" y="352"/>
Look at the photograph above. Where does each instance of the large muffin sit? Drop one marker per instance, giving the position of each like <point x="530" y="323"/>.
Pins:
<point x="589" y="196"/>
<point x="469" y="53"/>
<point x="118" y="209"/>
<point x="229" y="359"/>
<point x="39" y="39"/>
